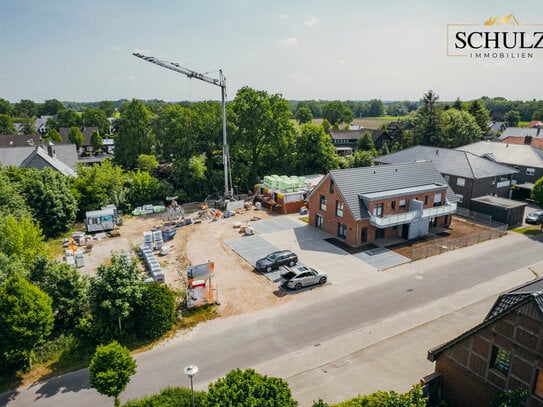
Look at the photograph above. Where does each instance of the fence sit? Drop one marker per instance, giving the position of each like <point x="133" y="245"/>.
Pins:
<point x="480" y="218"/>
<point x="446" y="245"/>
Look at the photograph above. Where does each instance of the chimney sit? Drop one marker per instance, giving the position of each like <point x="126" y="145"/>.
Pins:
<point x="51" y="151"/>
<point x="528" y="140"/>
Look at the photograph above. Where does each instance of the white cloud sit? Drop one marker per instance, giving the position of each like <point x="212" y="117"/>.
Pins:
<point x="289" y="42"/>
<point x="311" y="22"/>
<point x="284" y="17"/>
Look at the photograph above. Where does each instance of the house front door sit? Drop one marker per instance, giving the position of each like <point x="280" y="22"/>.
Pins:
<point x="364" y="235"/>
<point x="405" y="231"/>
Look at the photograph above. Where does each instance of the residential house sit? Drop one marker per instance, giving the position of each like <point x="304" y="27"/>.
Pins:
<point x="527" y="159"/>
<point x="503" y="352"/>
<point x="61" y="158"/>
<point x="495" y="128"/>
<point x="535" y="123"/>
<point x="522" y="132"/>
<point x="361" y="205"/>
<point x="87" y="133"/>
<point x="40" y="124"/>
<point x="395" y="130"/>
<point x="527" y="140"/>
<point x="468" y="175"/>
<point x="344" y="141"/>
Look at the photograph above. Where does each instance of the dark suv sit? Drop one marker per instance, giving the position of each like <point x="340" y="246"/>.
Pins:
<point x="277" y="259"/>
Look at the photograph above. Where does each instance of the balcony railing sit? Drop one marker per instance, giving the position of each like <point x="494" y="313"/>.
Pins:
<point x="407" y="217"/>
<point x="503" y="184"/>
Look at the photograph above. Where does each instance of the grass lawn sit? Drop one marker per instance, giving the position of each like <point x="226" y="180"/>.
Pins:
<point x="528" y="230"/>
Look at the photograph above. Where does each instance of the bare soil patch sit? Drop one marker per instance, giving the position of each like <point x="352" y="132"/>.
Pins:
<point x="240" y="289"/>
<point x="459" y="228"/>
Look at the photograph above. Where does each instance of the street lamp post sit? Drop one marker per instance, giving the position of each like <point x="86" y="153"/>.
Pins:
<point x="190" y="371"/>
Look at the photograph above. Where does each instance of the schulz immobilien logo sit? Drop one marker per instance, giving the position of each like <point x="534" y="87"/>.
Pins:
<point x="496" y="38"/>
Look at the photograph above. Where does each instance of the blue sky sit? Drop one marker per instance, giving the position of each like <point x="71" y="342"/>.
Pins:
<point x="343" y="49"/>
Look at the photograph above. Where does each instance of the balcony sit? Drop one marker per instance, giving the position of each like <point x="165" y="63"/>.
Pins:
<point x="407" y="217"/>
<point x="503" y="184"/>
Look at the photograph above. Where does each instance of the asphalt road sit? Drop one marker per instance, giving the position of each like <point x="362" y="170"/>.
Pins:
<point x="246" y="341"/>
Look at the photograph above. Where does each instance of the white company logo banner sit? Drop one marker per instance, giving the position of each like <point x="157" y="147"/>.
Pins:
<point x="496" y="38"/>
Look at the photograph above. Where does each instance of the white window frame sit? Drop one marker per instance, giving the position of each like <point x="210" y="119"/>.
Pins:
<point x="530" y="171"/>
<point x="461" y="182"/>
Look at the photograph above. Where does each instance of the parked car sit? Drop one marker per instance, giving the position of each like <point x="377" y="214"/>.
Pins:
<point x="276" y="259"/>
<point x="298" y="277"/>
<point x="535" y="217"/>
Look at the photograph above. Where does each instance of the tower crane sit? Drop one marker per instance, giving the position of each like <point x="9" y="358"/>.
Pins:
<point x="221" y="82"/>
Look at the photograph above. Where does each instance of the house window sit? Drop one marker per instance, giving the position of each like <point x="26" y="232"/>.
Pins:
<point x="460" y="198"/>
<point x="393" y="205"/>
<point x="494" y="180"/>
<point x="339" y="209"/>
<point x="402" y="203"/>
<point x="500" y="360"/>
<point x="446" y="177"/>
<point x="460" y="182"/>
<point x="530" y="171"/>
<point x="331" y="186"/>
<point x="318" y="221"/>
<point x="538" y="390"/>
<point x="323" y="203"/>
<point x="425" y="199"/>
<point x="378" y="210"/>
<point x="437" y="199"/>
<point x="341" y="230"/>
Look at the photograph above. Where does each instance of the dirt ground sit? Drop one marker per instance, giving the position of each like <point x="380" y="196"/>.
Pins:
<point x="240" y="289"/>
<point x="458" y="228"/>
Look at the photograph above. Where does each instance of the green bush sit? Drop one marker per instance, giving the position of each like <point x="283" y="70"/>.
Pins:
<point x="171" y="397"/>
<point x="155" y="313"/>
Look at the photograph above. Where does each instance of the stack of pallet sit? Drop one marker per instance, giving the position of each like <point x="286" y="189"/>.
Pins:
<point x="152" y="264"/>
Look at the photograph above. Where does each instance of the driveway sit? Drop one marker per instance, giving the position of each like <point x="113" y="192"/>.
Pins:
<point x="288" y="232"/>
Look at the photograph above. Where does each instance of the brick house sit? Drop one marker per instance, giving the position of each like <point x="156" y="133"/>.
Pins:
<point x="504" y="352"/>
<point x="360" y="205"/>
<point x="344" y="141"/>
<point x="468" y="175"/>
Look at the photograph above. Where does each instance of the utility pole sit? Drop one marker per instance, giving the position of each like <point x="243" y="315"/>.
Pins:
<point x="221" y="82"/>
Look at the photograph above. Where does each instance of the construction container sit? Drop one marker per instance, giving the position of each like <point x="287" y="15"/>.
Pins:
<point x="79" y="261"/>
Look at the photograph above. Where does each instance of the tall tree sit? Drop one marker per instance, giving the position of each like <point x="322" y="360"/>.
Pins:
<point x="303" y="115"/>
<point x="100" y="185"/>
<point x="50" y="199"/>
<point x="512" y="118"/>
<point x="50" y="107"/>
<point x="457" y="104"/>
<point x="107" y="107"/>
<point x="247" y="388"/>
<point x="459" y="128"/>
<point x="478" y="110"/>
<point x="537" y="192"/>
<point x="52" y="135"/>
<point x="6" y="107"/>
<point x="429" y="121"/>
<point x="6" y="125"/>
<point x="113" y="295"/>
<point x="76" y="137"/>
<point x="263" y="135"/>
<point x="96" y="141"/>
<point x="365" y="142"/>
<point x="26" y="317"/>
<point x="21" y="238"/>
<point x="155" y="313"/>
<point x="28" y="126"/>
<point x="26" y="108"/>
<point x="134" y="134"/>
<point x="315" y="153"/>
<point x="110" y="370"/>
<point x="337" y="112"/>
<point x="94" y="116"/>
<point x="11" y="199"/>
<point x="65" y="118"/>
<point x="67" y="289"/>
<point x="376" y="108"/>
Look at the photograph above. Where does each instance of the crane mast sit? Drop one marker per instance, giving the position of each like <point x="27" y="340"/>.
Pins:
<point x="221" y="82"/>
